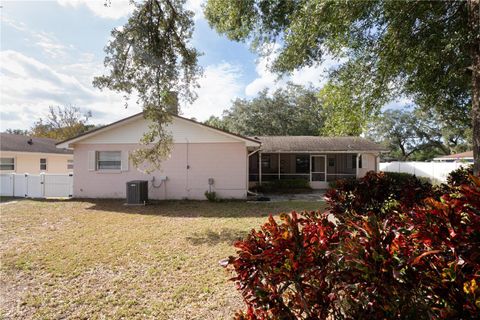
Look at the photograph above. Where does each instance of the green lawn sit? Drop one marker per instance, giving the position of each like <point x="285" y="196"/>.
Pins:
<point x="103" y="260"/>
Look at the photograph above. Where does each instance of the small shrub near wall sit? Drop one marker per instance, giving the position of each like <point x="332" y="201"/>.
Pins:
<point x="285" y="185"/>
<point x="407" y="255"/>
<point x="211" y="196"/>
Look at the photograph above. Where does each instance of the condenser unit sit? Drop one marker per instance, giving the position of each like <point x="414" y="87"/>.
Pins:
<point x="137" y="192"/>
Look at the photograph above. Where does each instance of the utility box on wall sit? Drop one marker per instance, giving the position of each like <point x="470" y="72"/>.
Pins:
<point x="137" y="192"/>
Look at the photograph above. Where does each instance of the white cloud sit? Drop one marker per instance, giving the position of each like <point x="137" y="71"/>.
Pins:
<point x="196" y="7"/>
<point x="265" y="80"/>
<point x="47" y="42"/>
<point x="218" y="87"/>
<point x="315" y="75"/>
<point x="29" y="87"/>
<point x="50" y="45"/>
<point x="401" y="102"/>
<point x="114" y="9"/>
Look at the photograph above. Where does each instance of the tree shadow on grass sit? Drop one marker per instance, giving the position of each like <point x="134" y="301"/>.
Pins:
<point x="187" y="208"/>
<point x="212" y="237"/>
<point x="195" y="209"/>
<point x="5" y="199"/>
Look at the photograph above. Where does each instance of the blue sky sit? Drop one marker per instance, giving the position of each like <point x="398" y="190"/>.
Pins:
<point x="51" y="50"/>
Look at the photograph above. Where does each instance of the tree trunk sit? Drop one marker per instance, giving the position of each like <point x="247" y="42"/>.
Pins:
<point x="474" y="22"/>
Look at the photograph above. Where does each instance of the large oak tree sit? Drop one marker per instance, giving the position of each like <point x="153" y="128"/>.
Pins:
<point x="292" y="111"/>
<point x="416" y="135"/>
<point x="428" y="51"/>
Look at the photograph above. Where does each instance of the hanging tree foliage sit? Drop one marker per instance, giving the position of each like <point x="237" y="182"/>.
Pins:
<point x="426" y="50"/>
<point x="150" y="57"/>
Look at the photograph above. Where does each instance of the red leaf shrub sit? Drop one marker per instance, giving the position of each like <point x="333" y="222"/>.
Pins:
<point x="283" y="269"/>
<point x="449" y="229"/>
<point x="375" y="191"/>
<point x="413" y="259"/>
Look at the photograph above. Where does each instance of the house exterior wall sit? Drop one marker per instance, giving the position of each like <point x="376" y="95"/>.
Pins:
<point x="369" y="163"/>
<point x="225" y="162"/>
<point x="29" y="162"/>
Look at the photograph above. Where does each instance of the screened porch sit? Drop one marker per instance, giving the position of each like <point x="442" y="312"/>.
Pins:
<point x="317" y="168"/>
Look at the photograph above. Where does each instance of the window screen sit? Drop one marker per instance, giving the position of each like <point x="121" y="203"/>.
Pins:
<point x="109" y="160"/>
<point x="7" y="164"/>
<point x="302" y="164"/>
<point x="266" y="161"/>
<point x="43" y="164"/>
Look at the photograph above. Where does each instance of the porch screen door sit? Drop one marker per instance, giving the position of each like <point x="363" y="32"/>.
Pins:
<point x="318" y="169"/>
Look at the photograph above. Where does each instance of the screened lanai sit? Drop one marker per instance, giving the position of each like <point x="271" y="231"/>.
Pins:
<point x="318" y="160"/>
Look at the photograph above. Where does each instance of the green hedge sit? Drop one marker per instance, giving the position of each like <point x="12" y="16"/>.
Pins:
<point x="284" y="185"/>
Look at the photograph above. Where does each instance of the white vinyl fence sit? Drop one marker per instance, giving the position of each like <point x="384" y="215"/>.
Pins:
<point x="436" y="171"/>
<point x="36" y="186"/>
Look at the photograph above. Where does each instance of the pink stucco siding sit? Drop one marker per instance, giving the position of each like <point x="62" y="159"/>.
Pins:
<point x="224" y="162"/>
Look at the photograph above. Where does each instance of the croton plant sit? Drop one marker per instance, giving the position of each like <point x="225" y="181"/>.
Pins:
<point x="382" y="251"/>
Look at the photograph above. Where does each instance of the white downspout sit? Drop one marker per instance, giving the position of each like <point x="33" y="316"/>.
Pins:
<point x="187" y="188"/>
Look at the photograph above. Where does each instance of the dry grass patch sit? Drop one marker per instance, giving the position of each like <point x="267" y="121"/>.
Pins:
<point x="101" y="259"/>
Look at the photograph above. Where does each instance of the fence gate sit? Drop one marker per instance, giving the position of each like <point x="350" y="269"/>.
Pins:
<point x="58" y="185"/>
<point x="6" y="185"/>
<point x="36" y="186"/>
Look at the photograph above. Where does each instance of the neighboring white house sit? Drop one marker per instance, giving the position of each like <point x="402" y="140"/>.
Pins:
<point x="24" y="154"/>
<point x="458" y="157"/>
<point x="205" y="158"/>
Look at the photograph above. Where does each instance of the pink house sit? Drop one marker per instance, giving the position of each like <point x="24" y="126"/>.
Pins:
<point x="205" y="158"/>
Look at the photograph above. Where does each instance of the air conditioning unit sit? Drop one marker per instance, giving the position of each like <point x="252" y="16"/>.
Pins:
<point x="137" y="192"/>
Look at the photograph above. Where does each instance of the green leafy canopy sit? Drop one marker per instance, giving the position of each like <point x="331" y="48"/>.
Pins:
<point x="422" y="50"/>
<point x="293" y="110"/>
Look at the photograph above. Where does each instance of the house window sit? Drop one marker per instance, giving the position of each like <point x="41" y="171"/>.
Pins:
<point x="360" y="161"/>
<point x="43" y="164"/>
<point x="354" y="161"/>
<point x="302" y="164"/>
<point x="109" y="160"/>
<point x="7" y="164"/>
<point x="69" y="164"/>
